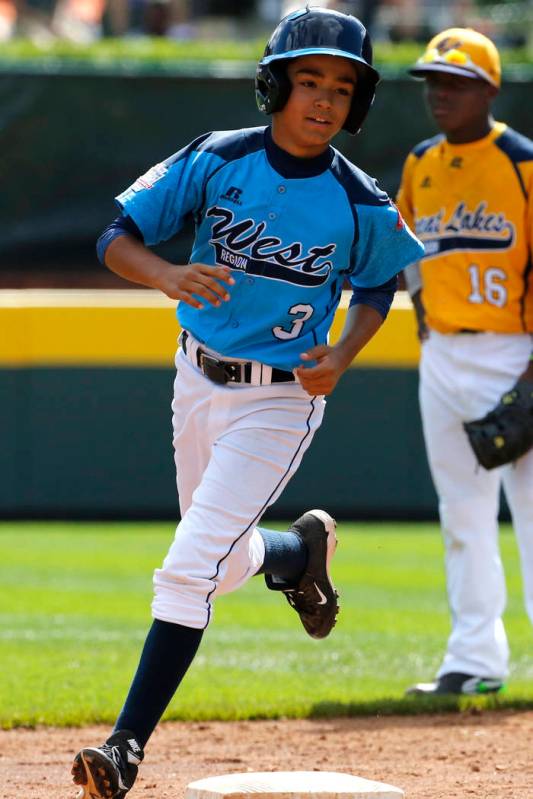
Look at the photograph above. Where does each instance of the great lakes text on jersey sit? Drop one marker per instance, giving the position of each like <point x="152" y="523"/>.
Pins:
<point x="465" y="229"/>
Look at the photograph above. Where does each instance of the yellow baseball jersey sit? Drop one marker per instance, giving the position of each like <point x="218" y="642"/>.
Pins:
<point x="472" y="207"/>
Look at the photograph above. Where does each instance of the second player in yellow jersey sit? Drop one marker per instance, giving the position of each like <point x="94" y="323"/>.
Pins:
<point x="468" y="194"/>
<point x="472" y="206"/>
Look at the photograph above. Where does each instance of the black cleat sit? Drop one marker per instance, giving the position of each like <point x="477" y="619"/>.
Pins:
<point x="315" y="598"/>
<point x="108" y="771"/>
<point x="456" y="683"/>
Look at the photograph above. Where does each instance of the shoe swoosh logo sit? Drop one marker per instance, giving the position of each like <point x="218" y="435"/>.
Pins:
<point x="323" y="599"/>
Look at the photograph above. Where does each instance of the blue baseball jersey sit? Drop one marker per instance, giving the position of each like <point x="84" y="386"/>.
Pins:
<point x="292" y="230"/>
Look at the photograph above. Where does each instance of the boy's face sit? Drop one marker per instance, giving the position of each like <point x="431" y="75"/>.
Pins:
<point x="320" y="99"/>
<point x="458" y="104"/>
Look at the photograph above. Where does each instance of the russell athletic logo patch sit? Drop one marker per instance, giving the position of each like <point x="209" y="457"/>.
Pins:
<point x="233" y="194"/>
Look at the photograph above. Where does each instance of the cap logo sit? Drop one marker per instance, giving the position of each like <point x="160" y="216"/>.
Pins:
<point x="448" y="44"/>
<point x="448" y="52"/>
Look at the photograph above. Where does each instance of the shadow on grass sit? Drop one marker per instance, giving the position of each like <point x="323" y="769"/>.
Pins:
<point x="411" y="706"/>
<point x="393" y="708"/>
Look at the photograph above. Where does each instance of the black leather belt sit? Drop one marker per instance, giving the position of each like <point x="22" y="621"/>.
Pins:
<point x="223" y="372"/>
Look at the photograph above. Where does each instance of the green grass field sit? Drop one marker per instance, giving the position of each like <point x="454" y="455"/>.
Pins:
<point x="75" y="607"/>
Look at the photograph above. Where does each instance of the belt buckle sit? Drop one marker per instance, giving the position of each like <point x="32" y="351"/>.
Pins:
<point x="213" y="369"/>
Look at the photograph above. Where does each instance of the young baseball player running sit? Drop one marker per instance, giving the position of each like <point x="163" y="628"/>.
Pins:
<point x="468" y="194"/>
<point x="282" y="220"/>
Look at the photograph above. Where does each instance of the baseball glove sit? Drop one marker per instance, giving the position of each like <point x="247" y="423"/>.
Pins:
<point x="506" y="432"/>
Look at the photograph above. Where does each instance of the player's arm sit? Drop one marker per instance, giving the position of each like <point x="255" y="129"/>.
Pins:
<point x="527" y="175"/>
<point x="367" y="312"/>
<point x="412" y="274"/>
<point x="413" y="283"/>
<point x="121" y="248"/>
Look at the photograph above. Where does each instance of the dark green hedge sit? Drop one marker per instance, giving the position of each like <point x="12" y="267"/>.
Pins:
<point x="206" y="57"/>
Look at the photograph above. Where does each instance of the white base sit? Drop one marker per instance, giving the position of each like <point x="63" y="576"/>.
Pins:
<point x="291" y="785"/>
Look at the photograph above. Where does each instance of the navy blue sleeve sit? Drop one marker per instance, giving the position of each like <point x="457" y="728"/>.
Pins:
<point x="118" y="227"/>
<point x="379" y="298"/>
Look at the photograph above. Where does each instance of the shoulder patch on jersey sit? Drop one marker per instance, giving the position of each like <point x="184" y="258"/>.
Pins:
<point x="518" y="147"/>
<point x="423" y="146"/>
<point x="360" y="187"/>
<point x="147" y="180"/>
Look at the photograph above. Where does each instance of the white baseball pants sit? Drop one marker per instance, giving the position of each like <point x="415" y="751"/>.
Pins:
<point x="462" y="376"/>
<point x="236" y="447"/>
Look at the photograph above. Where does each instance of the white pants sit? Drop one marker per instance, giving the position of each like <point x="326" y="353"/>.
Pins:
<point x="236" y="447"/>
<point x="462" y="377"/>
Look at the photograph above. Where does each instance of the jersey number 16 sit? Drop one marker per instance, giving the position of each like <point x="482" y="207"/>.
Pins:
<point x="487" y="286"/>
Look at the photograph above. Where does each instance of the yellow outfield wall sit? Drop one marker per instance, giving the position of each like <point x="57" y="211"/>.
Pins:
<point x="40" y="327"/>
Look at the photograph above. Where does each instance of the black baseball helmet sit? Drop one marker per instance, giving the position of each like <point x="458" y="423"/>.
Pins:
<point x="320" y="31"/>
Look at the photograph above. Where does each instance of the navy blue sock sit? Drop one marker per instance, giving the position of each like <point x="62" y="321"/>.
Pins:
<point x="285" y="555"/>
<point x="167" y="654"/>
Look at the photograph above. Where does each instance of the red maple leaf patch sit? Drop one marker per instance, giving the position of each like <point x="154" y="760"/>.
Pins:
<point x="400" y="224"/>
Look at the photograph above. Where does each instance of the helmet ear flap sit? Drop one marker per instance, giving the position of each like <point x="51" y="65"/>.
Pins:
<point x="361" y="104"/>
<point x="272" y="87"/>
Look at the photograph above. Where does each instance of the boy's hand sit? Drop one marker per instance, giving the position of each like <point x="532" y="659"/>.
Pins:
<point x="182" y="282"/>
<point x="322" y="378"/>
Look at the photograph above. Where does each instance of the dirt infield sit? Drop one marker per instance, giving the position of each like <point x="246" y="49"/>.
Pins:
<point x="472" y="756"/>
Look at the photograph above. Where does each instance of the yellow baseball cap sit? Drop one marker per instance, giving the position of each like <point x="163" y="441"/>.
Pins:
<point x="461" y="51"/>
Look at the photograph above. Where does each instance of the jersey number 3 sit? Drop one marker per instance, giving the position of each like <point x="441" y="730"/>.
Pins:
<point x="489" y="287"/>
<point x="303" y="312"/>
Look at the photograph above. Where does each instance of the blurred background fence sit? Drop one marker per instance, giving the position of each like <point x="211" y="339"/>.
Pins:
<point x="91" y="94"/>
<point x="73" y="136"/>
<point x="84" y="21"/>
